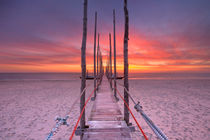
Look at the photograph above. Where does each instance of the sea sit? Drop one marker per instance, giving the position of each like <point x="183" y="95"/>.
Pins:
<point x="76" y="76"/>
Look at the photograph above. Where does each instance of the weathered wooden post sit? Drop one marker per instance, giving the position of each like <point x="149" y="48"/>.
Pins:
<point x="107" y="67"/>
<point x="110" y="59"/>
<point x="100" y="67"/>
<point x="126" y="97"/>
<point x="83" y="65"/>
<point x="95" y="54"/>
<point x="115" y="73"/>
<point x="97" y="59"/>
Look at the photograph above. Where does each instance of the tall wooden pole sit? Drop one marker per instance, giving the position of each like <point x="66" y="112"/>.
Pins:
<point x="97" y="58"/>
<point x="100" y="67"/>
<point x="110" y="59"/>
<point x="115" y="73"/>
<point x="108" y="66"/>
<point x="83" y="65"/>
<point x="126" y="97"/>
<point x="95" y="54"/>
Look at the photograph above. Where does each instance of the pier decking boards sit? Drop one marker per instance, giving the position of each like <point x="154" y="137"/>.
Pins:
<point x="106" y="120"/>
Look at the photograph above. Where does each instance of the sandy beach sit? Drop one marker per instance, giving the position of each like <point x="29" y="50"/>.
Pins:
<point x="180" y="107"/>
<point x="28" y="108"/>
<point x="51" y="51"/>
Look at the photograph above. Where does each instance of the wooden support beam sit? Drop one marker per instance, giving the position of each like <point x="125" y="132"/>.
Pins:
<point x="92" y="77"/>
<point x="126" y="97"/>
<point x="115" y="71"/>
<point x="110" y="60"/>
<point x="97" y="58"/>
<point x="83" y="65"/>
<point x="100" y="66"/>
<point x="95" y="54"/>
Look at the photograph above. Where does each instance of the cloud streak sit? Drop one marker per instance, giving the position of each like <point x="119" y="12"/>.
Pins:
<point x="40" y="35"/>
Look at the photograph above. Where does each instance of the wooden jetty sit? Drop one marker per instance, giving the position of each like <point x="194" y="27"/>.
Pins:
<point x="106" y="121"/>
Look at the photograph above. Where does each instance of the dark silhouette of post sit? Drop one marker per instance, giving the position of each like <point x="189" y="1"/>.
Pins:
<point x="110" y="60"/>
<point x="101" y="63"/>
<point x="126" y="97"/>
<point x="97" y="59"/>
<point x="108" y="66"/>
<point x="95" y="54"/>
<point x="115" y="73"/>
<point x="83" y="65"/>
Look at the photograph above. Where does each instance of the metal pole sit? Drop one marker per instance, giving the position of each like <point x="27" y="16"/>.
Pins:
<point x="110" y="59"/>
<point x="83" y="65"/>
<point x="95" y="54"/>
<point x="126" y="111"/>
<point x="154" y="128"/>
<point x="115" y="73"/>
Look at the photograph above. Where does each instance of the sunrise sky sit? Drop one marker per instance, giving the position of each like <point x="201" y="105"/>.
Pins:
<point x="45" y="35"/>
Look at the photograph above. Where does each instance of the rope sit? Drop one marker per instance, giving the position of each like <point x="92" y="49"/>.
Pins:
<point x="81" y="114"/>
<point x="74" y="103"/>
<point x="128" y="93"/>
<point x="60" y="121"/>
<point x="63" y="121"/>
<point x="132" y="114"/>
<point x="154" y="128"/>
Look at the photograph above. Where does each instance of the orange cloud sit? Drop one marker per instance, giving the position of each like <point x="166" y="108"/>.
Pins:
<point x="145" y="55"/>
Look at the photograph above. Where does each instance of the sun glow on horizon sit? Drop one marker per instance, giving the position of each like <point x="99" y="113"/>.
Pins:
<point x="170" y="43"/>
<point x="120" y="68"/>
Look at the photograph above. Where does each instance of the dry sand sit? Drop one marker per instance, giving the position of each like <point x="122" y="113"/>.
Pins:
<point x="28" y="108"/>
<point x="181" y="108"/>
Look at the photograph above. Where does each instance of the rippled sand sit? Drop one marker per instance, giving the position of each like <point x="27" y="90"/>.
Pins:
<point x="181" y="108"/>
<point x="28" y="108"/>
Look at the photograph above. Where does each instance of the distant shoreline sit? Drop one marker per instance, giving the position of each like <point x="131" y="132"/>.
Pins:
<point x="75" y="76"/>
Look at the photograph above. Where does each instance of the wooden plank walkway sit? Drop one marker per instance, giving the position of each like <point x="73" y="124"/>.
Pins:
<point x="106" y="120"/>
